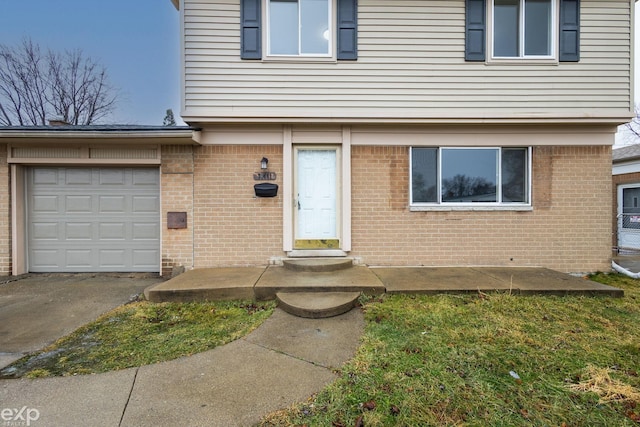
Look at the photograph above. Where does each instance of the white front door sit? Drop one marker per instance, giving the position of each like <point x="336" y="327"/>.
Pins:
<point x="316" y="198"/>
<point x="629" y="216"/>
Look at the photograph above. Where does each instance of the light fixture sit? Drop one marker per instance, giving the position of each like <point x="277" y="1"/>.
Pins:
<point x="264" y="163"/>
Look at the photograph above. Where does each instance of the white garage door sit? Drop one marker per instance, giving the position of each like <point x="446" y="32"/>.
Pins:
<point x="93" y="219"/>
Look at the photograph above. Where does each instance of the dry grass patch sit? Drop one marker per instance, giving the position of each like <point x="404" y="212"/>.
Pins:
<point x="598" y="380"/>
<point x="142" y="333"/>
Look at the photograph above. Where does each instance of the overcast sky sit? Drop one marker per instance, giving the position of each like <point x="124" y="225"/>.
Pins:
<point x="137" y="40"/>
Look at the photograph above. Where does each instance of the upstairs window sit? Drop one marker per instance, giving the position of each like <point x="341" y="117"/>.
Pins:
<point x="524" y="28"/>
<point x="469" y="176"/>
<point x="299" y="27"/>
<point x="529" y="29"/>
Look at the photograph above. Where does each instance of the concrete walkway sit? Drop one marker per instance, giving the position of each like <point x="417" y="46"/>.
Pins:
<point x="284" y="361"/>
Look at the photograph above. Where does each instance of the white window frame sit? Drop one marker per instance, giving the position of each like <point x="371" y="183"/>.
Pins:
<point x="499" y="205"/>
<point x="331" y="33"/>
<point x="555" y="20"/>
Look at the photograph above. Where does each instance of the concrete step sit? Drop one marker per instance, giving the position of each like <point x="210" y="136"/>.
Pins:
<point x="317" y="305"/>
<point x="317" y="264"/>
<point x="281" y="279"/>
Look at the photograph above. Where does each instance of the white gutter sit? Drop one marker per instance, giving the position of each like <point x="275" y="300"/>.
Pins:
<point x="624" y="271"/>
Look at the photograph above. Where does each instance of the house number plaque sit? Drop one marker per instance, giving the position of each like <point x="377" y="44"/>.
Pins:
<point x="264" y="176"/>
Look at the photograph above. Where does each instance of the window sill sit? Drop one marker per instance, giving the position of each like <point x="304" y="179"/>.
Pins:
<point x="299" y="59"/>
<point x="522" y="61"/>
<point x="517" y="208"/>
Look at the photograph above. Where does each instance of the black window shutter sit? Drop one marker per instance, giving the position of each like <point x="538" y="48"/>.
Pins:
<point x="251" y="31"/>
<point x="347" y="30"/>
<point x="475" y="30"/>
<point x="569" y="30"/>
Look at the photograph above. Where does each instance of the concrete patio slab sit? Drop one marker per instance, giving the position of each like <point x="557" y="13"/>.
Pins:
<point x="207" y="284"/>
<point x="543" y="280"/>
<point x="429" y="280"/>
<point x="433" y="280"/>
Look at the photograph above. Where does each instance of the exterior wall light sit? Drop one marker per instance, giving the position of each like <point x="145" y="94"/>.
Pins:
<point x="264" y="163"/>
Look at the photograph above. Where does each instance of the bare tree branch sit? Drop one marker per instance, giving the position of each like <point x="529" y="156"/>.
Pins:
<point x="631" y="131"/>
<point x="37" y="86"/>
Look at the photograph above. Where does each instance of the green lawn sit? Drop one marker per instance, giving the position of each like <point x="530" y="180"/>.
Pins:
<point x="488" y="359"/>
<point x="143" y="333"/>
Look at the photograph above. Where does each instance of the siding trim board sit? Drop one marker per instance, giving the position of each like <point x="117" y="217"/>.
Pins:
<point x="203" y="116"/>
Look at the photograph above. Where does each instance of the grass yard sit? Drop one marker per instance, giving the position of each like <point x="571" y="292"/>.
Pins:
<point x="488" y="359"/>
<point x="142" y="333"/>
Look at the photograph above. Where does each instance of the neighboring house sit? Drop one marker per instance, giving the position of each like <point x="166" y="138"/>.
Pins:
<point x="626" y="198"/>
<point x="414" y="132"/>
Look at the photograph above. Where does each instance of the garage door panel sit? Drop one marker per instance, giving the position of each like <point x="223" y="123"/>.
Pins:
<point x="145" y="258"/>
<point x="113" y="258"/>
<point x="145" y="231"/>
<point x="45" y="231"/>
<point x="145" y="178"/>
<point x="78" y="176"/>
<point x="112" y="204"/>
<point x="45" y="259"/>
<point x="112" y="177"/>
<point x="145" y="204"/>
<point x="79" y="204"/>
<point x="79" y="231"/>
<point x="45" y="176"/>
<point x="78" y="258"/>
<point x="45" y="204"/>
<point x="113" y="231"/>
<point x="93" y="219"/>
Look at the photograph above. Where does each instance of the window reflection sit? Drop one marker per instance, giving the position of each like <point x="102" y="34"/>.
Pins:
<point x="424" y="183"/>
<point x="299" y="27"/>
<point x="514" y="182"/>
<point x="469" y="175"/>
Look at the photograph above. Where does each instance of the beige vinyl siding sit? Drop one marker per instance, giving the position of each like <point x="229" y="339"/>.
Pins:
<point x="410" y="66"/>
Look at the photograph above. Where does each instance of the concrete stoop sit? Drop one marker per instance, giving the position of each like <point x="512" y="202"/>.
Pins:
<point x="282" y="279"/>
<point x="317" y="305"/>
<point x="317" y="264"/>
<point x="317" y="287"/>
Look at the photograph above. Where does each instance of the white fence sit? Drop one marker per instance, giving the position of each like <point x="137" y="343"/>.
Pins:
<point x="629" y="232"/>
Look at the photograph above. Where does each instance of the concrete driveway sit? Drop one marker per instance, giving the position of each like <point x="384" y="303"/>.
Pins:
<point x="37" y="309"/>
